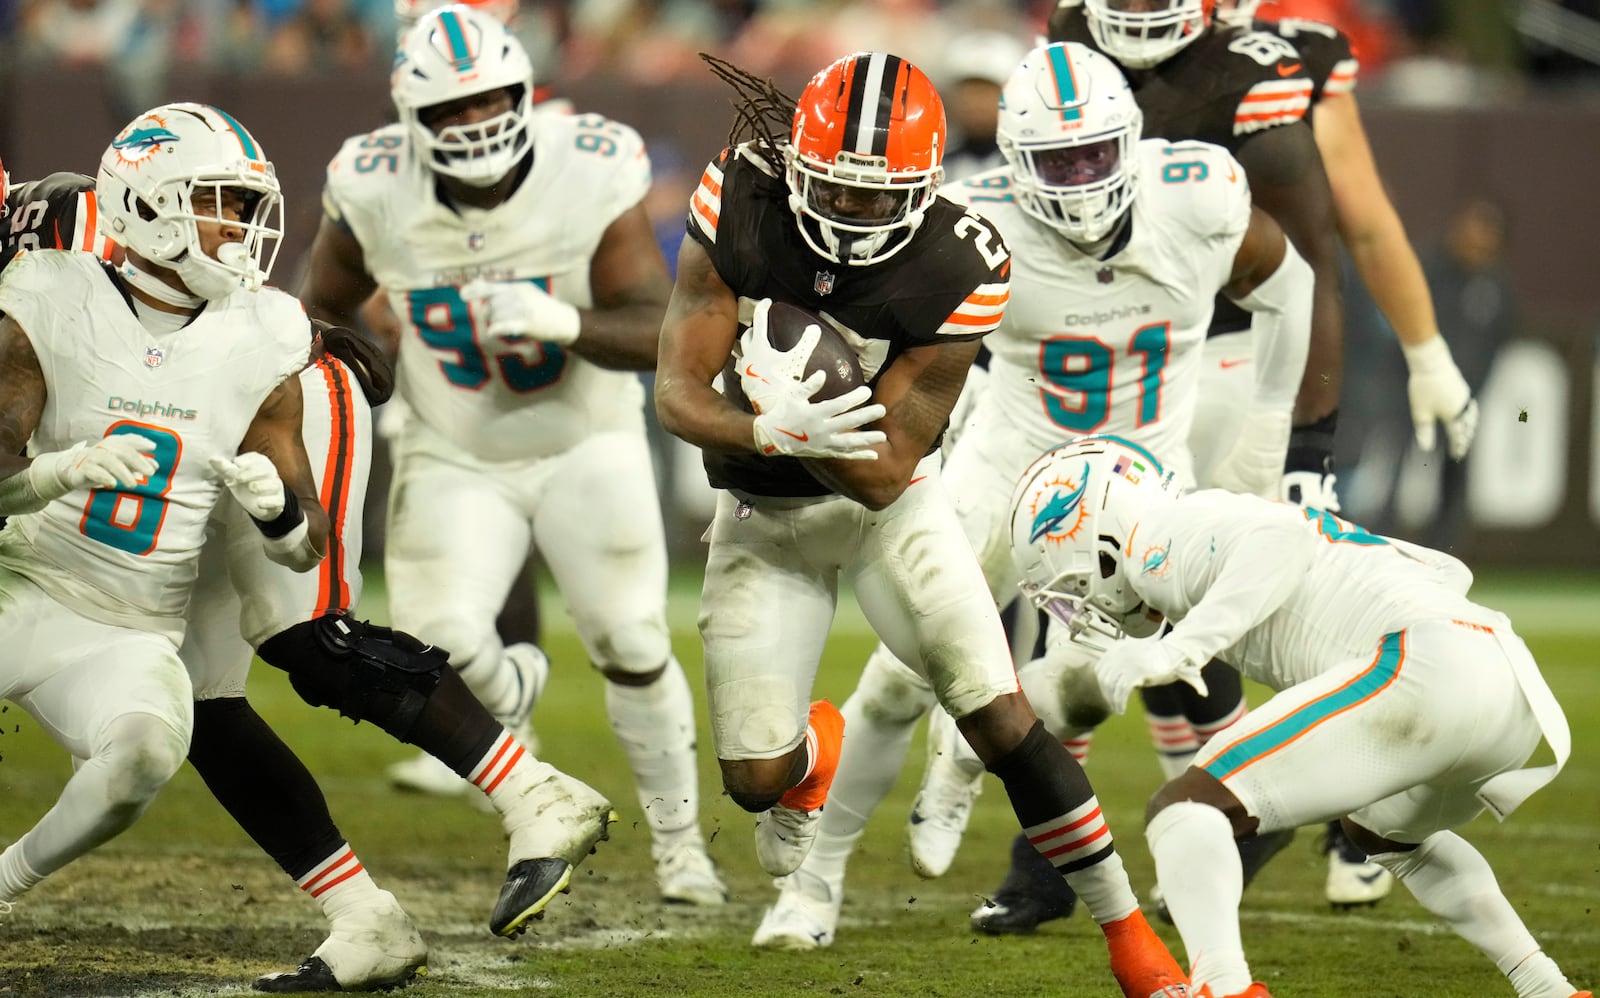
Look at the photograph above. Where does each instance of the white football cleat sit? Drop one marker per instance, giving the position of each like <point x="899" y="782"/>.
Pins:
<point x="1352" y="878"/>
<point x="784" y="837"/>
<point x="944" y="805"/>
<point x="804" y="916"/>
<point x="559" y="816"/>
<point x="369" y="949"/>
<point x="685" y="873"/>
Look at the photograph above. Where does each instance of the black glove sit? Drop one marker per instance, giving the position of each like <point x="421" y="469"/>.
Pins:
<point x="364" y="358"/>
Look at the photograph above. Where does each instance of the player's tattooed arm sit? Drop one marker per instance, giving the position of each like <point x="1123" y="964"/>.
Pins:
<point x="275" y="433"/>
<point x="1287" y="179"/>
<point x="337" y="281"/>
<point x="631" y="287"/>
<point x="918" y="388"/>
<point x="697" y="337"/>
<point x="22" y="395"/>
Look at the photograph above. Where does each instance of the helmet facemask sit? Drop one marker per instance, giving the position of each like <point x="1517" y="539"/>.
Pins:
<point x="1140" y="34"/>
<point x="854" y="211"/>
<point x="1069" y="128"/>
<point x="159" y="167"/>
<point x="455" y="59"/>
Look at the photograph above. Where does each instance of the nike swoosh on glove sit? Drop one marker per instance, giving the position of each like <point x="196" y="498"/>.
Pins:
<point x="794" y="426"/>
<point x="515" y="310"/>
<point x="253" y="482"/>
<point x="765" y="372"/>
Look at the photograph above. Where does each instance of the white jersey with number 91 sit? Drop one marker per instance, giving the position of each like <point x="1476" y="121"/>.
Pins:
<point x="498" y="401"/>
<point x="1113" y="346"/>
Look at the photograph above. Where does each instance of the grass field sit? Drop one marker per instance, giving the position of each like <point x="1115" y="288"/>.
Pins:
<point x="184" y="904"/>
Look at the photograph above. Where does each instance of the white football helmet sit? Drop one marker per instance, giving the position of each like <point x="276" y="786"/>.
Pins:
<point x="455" y="52"/>
<point x="1143" y="33"/>
<point x="1069" y="126"/>
<point x="146" y="187"/>
<point x="408" y="12"/>
<point x="1236" y="13"/>
<point x="1071" y="516"/>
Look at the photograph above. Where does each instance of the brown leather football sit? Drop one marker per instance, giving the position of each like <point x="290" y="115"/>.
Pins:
<point x="832" y="354"/>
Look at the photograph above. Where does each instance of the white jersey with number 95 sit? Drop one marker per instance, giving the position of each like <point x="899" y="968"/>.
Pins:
<point x="498" y="401"/>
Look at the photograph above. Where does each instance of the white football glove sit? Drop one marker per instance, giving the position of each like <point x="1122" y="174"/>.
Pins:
<point x="766" y="372"/>
<point x="513" y="311"/>
<point x="120" y="460"/>
<point x="1439" y="394"/>
<point x="794" y="426"/>
<point x="1131" y="664"/>
<point x="254" y="483"/>
<point x="1310" y="488"/>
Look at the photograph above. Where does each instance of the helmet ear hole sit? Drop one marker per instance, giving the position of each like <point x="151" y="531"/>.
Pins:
<point x="1108" y="565"/>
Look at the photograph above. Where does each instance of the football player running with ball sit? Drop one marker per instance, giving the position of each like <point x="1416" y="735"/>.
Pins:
<point x="840" y="216"/>
<point x="1402" y="707"/>
<point x="529" y="286"/>
<point x="1118" y="248"/>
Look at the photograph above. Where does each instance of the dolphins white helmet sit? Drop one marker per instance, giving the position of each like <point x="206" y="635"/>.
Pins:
<point x="146" y="191"/>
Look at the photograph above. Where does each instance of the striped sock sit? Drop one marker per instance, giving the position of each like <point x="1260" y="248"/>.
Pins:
<point x="1204" y="731"/>
<point x="339" y="883"/>
<point x="507" y="770"/>
<point x="1175" y="741"/>
<point x="1078" y="745"/>
<point x="1078" y="844"/>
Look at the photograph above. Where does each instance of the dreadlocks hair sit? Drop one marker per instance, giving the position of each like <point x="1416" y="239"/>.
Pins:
<point x="762" y="111"/>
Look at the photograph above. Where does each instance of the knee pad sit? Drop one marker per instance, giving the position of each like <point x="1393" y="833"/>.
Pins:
<point x="142" y="753"/>
<point x="636" y="646"/>
<point x="365" y="672"/>
<point x="890" y="693"/>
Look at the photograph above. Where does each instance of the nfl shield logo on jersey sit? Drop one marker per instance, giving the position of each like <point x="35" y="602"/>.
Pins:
<point x="475" y="241"/>
<point x="1104" y="275"/>
<point x="823" y="285"/>
<point x="153" y="357"/>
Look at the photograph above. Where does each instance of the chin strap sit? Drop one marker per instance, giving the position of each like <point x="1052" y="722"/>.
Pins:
<point x="156" y="288"/>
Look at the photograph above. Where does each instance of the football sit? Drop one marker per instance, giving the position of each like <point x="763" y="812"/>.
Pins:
<point x="832" y="355"/>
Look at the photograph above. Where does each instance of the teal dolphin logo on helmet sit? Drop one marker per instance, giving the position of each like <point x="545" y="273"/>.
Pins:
<point x="1059" y="507"/>
<point x="140" y="142"/>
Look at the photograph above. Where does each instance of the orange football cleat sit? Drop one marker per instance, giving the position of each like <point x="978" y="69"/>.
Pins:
<point x="1141" y="963"/>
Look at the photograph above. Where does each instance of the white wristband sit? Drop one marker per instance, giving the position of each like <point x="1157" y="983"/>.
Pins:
<point x="293" y="550"/>
<point x="1431" y="354"/>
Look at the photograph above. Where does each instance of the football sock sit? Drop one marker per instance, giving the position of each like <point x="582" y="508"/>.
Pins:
<point x="655" y="725"/>
<point x="1170" y="731"/>
<point x="1078" y="746"/>
<point x="869" y="765"/>
<point x="454" y="727"/>
<point x="262" y="784"/>
<point x="339" y="883"/>
<point x="1057" y="808"/>
<point x="1451" y="879"/>
<point x="823" y="743"/>
<point x="134" y="757"/>
<point x="1198" y="868"/>
<point x="1221" y="706"/>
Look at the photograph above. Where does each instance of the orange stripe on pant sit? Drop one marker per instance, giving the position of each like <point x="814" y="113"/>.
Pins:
<point x="333" y="592"/>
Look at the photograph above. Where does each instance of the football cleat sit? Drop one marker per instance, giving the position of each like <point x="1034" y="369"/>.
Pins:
<point x="685" y="873"/>
<point x="784" y="837"/>
<point x="804" y="916"/>
<point x="1031" y="894"/>
<point x="944" y="805"/>
<point x="785" y="831"/>
<point x="553" y="825"/>
<point x="6" y="908"/>
<point x="1352" y="879"/>
<point x="1141" y="962"/>
<point x="375" y="948"/>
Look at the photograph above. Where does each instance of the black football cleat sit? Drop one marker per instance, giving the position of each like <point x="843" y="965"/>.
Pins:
<point x="315" y="976"/>
<point x="530" y="886"/>
<point x="1031" y="894"/>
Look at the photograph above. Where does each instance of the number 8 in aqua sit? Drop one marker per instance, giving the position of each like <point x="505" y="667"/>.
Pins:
<point x="108" y="517"/>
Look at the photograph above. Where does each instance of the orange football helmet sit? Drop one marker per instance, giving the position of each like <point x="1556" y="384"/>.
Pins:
<point x="864" y="157"/>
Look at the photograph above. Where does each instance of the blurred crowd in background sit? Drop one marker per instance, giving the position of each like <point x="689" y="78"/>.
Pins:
<point x="1415" y="51"/>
